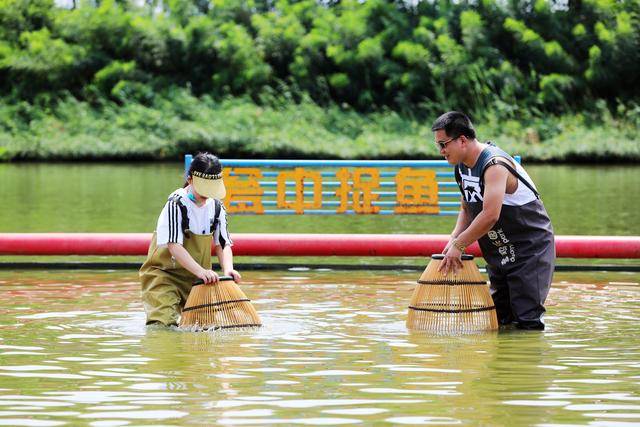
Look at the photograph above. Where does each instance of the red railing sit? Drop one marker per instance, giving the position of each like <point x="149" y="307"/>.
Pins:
<point x="401" y="245"/>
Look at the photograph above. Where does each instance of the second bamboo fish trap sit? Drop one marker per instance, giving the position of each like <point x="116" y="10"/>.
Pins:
<point x="452" y="303"/>
<point x="219" y="306"/>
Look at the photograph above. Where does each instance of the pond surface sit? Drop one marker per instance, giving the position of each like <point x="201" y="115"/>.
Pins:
<point x="333" y="350"/>
<point x="599" y="200"/>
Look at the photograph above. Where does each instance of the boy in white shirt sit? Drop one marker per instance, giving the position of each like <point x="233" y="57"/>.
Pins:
<point x="180" y="250"/>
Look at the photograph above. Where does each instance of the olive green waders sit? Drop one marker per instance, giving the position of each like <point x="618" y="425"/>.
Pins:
<point x="165" y="283"/>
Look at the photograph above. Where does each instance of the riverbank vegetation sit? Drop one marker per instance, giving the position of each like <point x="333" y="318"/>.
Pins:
<point x="335" y="79"/>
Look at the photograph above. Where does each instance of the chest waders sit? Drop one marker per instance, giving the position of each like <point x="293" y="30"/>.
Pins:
<point x="519" y="249"/>
<point x="165" y="283"/>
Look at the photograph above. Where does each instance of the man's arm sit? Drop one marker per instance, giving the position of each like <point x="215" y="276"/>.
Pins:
<point x="463" y="221"/>
<point x="495" y="184"/>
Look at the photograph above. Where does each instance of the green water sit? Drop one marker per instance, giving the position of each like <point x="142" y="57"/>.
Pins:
<point x="334" y="350"/>
<point x="599" y="200"/>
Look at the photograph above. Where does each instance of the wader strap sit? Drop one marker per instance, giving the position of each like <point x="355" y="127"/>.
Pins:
<point x="214" y="221"/>
<point x="183" y="212"/>
<point x="456" y="173"/>
<point x="495" y="161"/>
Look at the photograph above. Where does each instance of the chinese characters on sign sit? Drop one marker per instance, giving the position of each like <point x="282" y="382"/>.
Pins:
<point x="243" y="190"/>
<point x="416" y="192"/>
<point x="360" y="189"/>
<point x="353" y="189"/>
<point x="298" y="204"/>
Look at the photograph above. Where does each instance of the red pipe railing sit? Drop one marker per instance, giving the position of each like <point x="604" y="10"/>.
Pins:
<point x="401" y="245"/>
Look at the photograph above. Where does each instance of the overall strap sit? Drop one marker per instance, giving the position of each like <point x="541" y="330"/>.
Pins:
<point x="183" y="212"/>
<point x="496" y="161"/>
<point x="214" y="221"/>
<point x="456" y="173"/>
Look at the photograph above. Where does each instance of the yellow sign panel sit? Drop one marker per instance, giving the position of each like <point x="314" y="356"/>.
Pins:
<point x="356" y="189"/>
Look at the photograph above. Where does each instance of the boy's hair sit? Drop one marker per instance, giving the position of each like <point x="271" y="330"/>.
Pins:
<point x="455" y="124"/>
<point x="203" y="162"/>
<point x="206" y="163"/>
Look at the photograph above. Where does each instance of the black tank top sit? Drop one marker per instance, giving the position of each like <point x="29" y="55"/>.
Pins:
<point x="521" y="231"/>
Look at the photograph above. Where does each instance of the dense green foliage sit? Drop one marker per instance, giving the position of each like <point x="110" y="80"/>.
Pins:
<point x="177" y="122"/>
<point x="109" y="71"/>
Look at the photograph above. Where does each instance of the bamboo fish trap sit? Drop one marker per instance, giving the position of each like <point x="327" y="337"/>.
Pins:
<point x="219" y="306"/>
<point x="452" y="303"/>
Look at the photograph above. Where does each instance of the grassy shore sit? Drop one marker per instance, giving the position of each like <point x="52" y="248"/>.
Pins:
<point x="176" y="123"/>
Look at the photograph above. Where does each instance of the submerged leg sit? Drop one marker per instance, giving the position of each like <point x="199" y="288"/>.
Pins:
<point x="500" y="294"/>
<point x="529" y="286"/>
<point x="161" y="301"/>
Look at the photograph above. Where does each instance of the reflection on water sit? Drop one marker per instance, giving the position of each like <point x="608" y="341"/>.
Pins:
<point x="333" y="350"/>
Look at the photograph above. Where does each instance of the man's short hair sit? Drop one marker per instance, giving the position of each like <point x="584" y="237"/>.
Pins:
<point x="455" y="124"/>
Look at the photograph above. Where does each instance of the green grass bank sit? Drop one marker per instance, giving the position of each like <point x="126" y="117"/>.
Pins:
<point x="177" y="122"/>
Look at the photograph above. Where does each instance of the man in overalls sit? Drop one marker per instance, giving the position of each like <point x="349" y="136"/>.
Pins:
<point x="502" y="210"/>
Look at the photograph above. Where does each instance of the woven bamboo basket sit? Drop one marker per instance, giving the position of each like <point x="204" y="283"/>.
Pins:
<point x="219" y="306"/>
<point x="452" y="303"/>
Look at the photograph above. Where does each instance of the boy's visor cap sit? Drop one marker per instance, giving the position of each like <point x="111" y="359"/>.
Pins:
<point x="209" y="185"/>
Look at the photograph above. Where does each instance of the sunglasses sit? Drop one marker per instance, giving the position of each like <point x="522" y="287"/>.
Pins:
<point x="443" y="144"/>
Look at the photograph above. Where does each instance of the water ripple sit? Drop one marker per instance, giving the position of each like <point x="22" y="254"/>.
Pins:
<point x="333" y="349"/>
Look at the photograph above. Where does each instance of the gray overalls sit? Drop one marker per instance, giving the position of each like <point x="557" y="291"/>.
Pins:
<point x="519" y="249"/>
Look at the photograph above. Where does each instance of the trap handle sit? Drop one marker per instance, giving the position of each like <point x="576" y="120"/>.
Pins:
<point x="464" y="257"/>
<point x="220" y="278"/>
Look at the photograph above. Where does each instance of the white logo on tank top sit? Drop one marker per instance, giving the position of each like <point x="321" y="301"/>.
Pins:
<point x="471" y="188"/>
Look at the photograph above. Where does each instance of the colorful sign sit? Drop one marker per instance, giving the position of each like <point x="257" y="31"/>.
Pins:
<point x="359" y="190"/>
